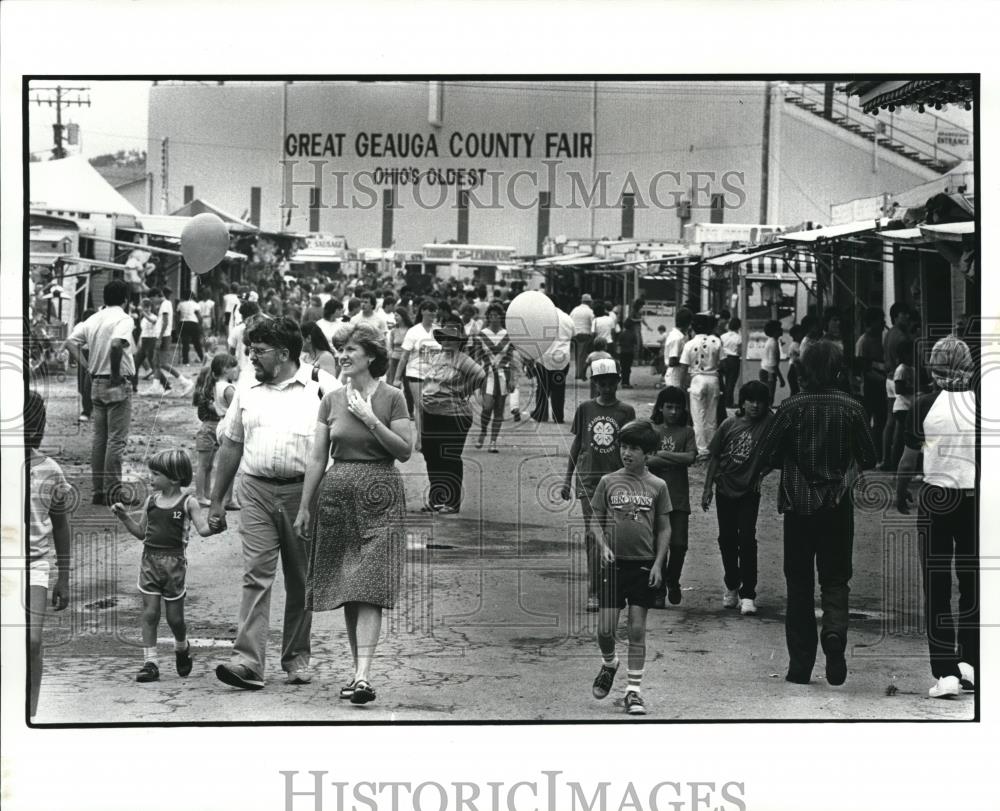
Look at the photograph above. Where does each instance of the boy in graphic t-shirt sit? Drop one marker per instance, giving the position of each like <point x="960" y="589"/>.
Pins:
<point x="594" y="452"/>
<point x="632" y="507"/>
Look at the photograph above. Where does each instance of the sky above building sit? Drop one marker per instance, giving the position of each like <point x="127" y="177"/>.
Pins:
<point x="117" y="117"/>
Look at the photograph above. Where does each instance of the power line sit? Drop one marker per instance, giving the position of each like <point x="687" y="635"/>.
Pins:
<point x="58" y="101"/>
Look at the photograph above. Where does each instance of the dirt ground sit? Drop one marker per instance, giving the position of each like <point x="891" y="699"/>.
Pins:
<point x="490" y="624"/>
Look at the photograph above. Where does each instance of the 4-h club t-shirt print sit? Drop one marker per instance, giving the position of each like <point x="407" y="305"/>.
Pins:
<point x="598" y="427"/>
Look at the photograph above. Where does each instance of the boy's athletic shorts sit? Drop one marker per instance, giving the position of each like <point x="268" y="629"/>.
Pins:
<point x="163" y="573"/>
<point x="626" y="582"/>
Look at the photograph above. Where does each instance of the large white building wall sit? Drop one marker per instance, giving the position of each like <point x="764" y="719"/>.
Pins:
<point x="709" y="137"/>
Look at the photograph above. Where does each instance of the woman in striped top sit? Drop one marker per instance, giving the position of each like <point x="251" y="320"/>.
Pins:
<point x="494" y="352"/>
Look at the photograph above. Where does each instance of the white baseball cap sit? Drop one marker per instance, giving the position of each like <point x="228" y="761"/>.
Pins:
<point x="604" y="366"/>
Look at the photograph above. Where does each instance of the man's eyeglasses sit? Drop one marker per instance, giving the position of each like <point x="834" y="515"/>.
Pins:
<point x="254" y="352"/>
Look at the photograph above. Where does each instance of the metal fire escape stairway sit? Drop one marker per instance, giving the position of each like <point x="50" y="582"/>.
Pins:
<point x="849" y="116"/>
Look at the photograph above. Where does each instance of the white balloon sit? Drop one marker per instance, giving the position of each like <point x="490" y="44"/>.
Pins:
<point x="204" y="242"/>
<point x="532" y="323"/>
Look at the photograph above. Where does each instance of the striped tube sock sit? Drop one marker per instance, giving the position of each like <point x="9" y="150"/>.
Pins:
<point x="180" y="644"/>
<point x="634" y="680"/>
<point x="149" y="655"/>
<point x="610" y="661"/>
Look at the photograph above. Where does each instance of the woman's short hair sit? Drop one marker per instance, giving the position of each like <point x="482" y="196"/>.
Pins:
<point x="600" y="344"/>
<point x="175" y="465"/>
<point x="372" y="343"/>
<point x="822" y="362"/>
<point x="281" y="333"/>
<point x="426" y="304"/>
<point x="640" y="434"/>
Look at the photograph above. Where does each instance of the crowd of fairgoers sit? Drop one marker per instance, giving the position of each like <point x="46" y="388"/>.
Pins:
<point x="450" y="344"/>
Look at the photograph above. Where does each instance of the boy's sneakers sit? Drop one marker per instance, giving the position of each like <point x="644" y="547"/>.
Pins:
<point x="156" y="389"/>
<point x="516" y="414"/>
<point x="184" y="663"/>
<point x="186" y="384"/>
<point x="747" y="606"/>
<point x="731" y="599"/>
<point x="634" y="705"/>
<point x="674" y="593"/>
<point x="946" y="687"/>
<point x="604" y="680"/>
<point x="967" y="679"/>
<point x="659" y="601"/>
<point x="149" y="672"/>
<point x="593" y="605"/>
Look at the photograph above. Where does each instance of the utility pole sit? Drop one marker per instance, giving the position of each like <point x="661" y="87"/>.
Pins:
<point x="165" y="176"/>
<point x="57" y="100"/>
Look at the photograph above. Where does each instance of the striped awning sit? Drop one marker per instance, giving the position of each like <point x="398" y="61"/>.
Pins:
<point x="778" y="266"/>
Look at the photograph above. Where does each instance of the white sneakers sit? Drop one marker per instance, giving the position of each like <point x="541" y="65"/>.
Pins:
<point x="949" y="686"/>
<point x="155" y="389"/>
<point x="731" y="598"/>
<point x="747" y="606"/>
<point x="186" y="385"/>
<point x="967" y="679"/>
<point x="946" y="687"/>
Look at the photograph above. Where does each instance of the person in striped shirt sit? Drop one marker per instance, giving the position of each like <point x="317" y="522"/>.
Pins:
<point x="494" y="352"/>
<point x="48" y="525"/>
<point x="816" y="437"/>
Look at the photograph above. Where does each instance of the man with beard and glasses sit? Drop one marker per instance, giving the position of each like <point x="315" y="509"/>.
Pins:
<point x="269" y="427"/>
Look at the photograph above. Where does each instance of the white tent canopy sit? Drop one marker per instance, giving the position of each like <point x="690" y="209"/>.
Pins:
<point x="72" y="184"/>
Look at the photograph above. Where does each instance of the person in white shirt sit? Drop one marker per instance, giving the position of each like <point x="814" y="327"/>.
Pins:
<point x="420" y="347"/>
<point x="206" y="309"/>
<point x="700" y="359"/>
<point x="729" y="369"/>
<point x="368" y="315"/>
<point x="583" y="334"/>
<point x="672" y="348"/>
<point x="149" y="338"/>
<point x="250" y="314"/>
<point x="107" y="337"/>
<point x="190" y="328"/>
<point x="333" y="318"/>
<point x="267" y="433"/>
<point x="230" y="303"/>
<point x="166" y="328"/>
<point x="605" y="324"/>
<point x="941" y="436"/>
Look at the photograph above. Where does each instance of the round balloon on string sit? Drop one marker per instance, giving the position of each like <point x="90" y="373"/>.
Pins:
<point x="204" y="242"/>
<point x="532" y="323"/>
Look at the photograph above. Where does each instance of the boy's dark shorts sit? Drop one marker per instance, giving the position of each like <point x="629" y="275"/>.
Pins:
<point x="163" y="573"/>
<point x="626" y="582"/>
